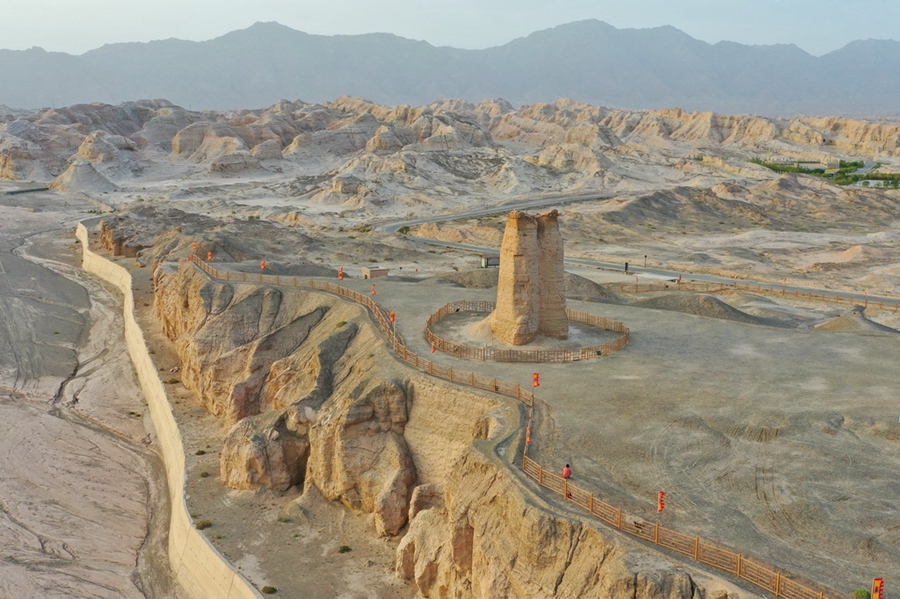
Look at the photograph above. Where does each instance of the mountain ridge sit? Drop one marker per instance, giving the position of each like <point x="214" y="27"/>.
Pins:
<point x="589" y="61"/>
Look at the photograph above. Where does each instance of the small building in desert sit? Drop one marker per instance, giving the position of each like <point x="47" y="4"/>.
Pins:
<point x="490" y="260"/>
<point x="373" y="272"/>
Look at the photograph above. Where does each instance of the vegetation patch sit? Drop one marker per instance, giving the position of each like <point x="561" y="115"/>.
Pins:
<point x="844" y="175"/>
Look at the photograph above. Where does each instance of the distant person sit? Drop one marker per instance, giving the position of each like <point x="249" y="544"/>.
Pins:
<point x="626" y="268"/>
<point x="567" y="472"/>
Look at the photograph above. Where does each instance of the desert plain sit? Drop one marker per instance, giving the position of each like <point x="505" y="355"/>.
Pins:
<point x="770" y="421"/>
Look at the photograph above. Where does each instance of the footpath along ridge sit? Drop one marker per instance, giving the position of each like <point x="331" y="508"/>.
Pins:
<point x="761" y="574"/>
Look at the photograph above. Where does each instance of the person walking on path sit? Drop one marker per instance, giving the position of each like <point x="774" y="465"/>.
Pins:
<point x="567" y="473"/>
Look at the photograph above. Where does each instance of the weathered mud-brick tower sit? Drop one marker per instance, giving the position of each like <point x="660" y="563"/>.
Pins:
<point x="531" y="298"/>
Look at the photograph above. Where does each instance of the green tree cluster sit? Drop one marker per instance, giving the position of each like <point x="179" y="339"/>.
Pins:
<point x="845" y="175"/>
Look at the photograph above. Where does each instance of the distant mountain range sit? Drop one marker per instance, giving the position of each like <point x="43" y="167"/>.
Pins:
<point x="589" y="61"/>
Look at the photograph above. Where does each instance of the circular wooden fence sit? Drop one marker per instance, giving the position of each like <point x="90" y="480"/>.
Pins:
<point x="525" y="355"/>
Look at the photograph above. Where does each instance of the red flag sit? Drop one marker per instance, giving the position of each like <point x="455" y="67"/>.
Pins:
<point x="536" y="379"/>
<point x="393" y="316"/>
<point x="373" y="289"/>
<point x="661" y="502"/>
<point x="433" y="349"/>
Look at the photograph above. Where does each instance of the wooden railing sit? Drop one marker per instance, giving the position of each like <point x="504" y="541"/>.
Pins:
<point x="807" y="294"/>
<point x="759" y="573"/>
<point x="462" y="350"/>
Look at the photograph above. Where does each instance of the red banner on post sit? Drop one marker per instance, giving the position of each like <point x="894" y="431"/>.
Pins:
<point x="878" y="588"/>
<point x="536" y="380"/>
<point x="661" y="502"/>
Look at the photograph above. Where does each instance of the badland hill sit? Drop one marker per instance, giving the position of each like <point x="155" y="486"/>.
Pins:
<point x="355" y="157"/>
<point x="589" y="61"/>
<point x="687" y="183"/>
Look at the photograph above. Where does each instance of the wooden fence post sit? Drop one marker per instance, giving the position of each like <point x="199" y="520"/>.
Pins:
<point x="541" y="475"/>
<point x="656" y="534"/>
<point x="740" y="563"/>
<point x="592" y="504"/>
<point x="778" y="584"/>
<point x="697" y="549"/>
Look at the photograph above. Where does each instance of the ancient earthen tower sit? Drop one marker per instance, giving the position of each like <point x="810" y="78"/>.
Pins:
<point x="531" y="297"/>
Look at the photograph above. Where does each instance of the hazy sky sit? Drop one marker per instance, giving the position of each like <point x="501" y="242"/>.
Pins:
<point x="75" y="26"/>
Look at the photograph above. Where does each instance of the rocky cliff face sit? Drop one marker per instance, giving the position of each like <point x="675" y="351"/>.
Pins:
<point x="476" y="535"/>
<point x="273" y="364"/>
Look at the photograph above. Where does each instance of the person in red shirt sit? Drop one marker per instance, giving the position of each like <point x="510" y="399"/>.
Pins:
<point x="567" y="472"/>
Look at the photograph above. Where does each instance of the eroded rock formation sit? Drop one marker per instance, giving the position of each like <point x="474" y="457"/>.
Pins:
<point x="531" y="297"/>
<point x="274" y="364"/>
<point x="476" y="535"/>
<point x="270" y="450"/>
<point x="81" y="176"/>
